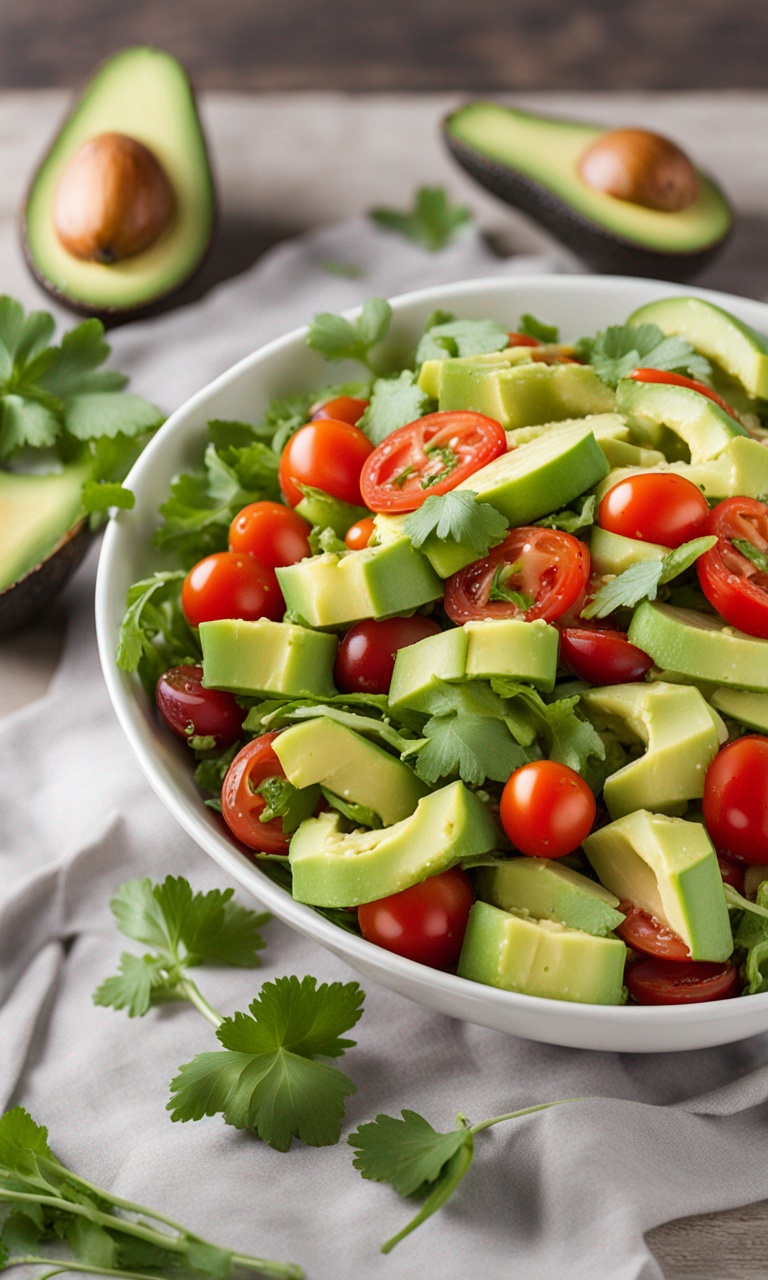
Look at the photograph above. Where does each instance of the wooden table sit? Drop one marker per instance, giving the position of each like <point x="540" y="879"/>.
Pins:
<point x="288" y="162"/>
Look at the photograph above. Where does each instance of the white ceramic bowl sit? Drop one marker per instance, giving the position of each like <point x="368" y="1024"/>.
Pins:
<point x="580" y="305"/>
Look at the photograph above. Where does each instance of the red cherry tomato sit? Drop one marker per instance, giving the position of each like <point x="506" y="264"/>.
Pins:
<point x="366" y="657"/>
<point x="230" y="585"/>
<point x="359" y="535"/>
<point x="425" y="923"/>
<point x="190" y="711"/>
<point x="522" y="340"/>
<point x="429" y="456"/>
<point x="326" y="454"/>
<point x="664" y="508"/>
<point x="341" y="409"/>
<point x="547" y="809"/>
<point x="272" y="532"/>
<point x="654" y="981"/>
<point x="645" y="933"/>
<point x="679" y="380"/>
<point x="735" y="802"/>
<point x="732" y="583"/>
<point x="544" y="566"/>
<point x="240" y="803"/>
<point x="732" y="873"/>
<point x="602" y="657"/>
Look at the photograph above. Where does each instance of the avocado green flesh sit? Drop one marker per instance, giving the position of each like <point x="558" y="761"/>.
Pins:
<point x="704" y="428"/>
<point x="35" y="513"/>
<point x="523" y="395"/>
<point x="612" y="553"/>
<point x="750" y="709"/>
<point x="700" y="646"/>
<point x="728" y="342"/>
<point x="549" y="891"/>
<point x="548" y="152"/>
<point x="145" y="94"/>
<point x="266" y="657"/>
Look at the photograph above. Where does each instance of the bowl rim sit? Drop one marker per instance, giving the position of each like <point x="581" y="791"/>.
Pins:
<point x="123" y="689"/>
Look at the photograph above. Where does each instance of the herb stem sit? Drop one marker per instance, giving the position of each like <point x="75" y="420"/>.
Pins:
<point x="191" y="992"/>
<point x="278" y="1270"/>
<point x="515" y="1115"/>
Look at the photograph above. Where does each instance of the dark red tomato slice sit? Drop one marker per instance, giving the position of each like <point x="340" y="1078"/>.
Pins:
<point x="241" y="806"/>
<point x="735" y="584"/>
<point x="366" y="657"/>
<point x="735" y="801"/>
<point x="663" y="508"/>
<point x="645" y="933"/>
<point x="533" y="573"/>
<point x="429" y="456"/>
<point x="325" y="454"/>
<point x="522" y="340"/>
<point x="680" y="380"/>
<point x="341" y="409"/>
<point x="602" y="656"/>
<point x="359" y="535"/>
<point x="547" y="809"/>
<point x="192" y="711"/>
<point x="272" y="532"/>
<point x="655" y="981"/>
<point x="732" y="873"/>
<point x="425" y="923"/>
<point x="231" y="585"/>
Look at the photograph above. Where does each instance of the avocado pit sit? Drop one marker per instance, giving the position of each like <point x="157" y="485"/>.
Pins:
<point x="113" y="200"/>
<point x="642" y="168"/>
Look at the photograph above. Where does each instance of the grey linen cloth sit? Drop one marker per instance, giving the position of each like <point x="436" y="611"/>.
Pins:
<point x="566" y="1194"/>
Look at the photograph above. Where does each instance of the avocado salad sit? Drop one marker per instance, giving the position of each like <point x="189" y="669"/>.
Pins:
<point x="471" y="655"/>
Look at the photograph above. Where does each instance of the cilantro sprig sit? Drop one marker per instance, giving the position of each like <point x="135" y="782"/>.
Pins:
<point x="533" y="328"/>
<point x="620" y="348"/>
<point x="457" y="516"/>
<point x="433" y="221"/>
<point x="154" y="634"/>
<point x="394" y="403"/>
<point x="641" y="581"/>
<point x="466" y="735"/>
<point x="750" y="935"/>
<point x="451" y="338"/>
<point x="336" y="338"/>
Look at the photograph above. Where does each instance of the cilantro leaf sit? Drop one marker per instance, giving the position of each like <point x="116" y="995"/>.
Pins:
<point x="211" y="769"/>
<point x="154" y="634"/>
<point x="566" y="737"/>
<point x="641" y="581"/>
<point x="459" y="516"/>
<point x="267" y="1078"/>
<point x="335" y="338"/>
<point x="347" y="270"/>
<point x="405" y="1152"/>
<point x="322" y="540"/>
<point x="752" y="553"/>
<point x="500" y="591"/>
<point x="466" y="735"/>
<point x="433" y="221"/>
<point x="533" y="328"/>
<point x="100" y="495"/>
<point x="619" y="349"/>
<point x="750" y="935"/>
<point x="283" y="800"/>
<point x="140" y="979"/>
<point x="394" y="403"/>
<point x="360" y="814"/>
<point x="461" y="338"/>
<point x="572" y="521"/>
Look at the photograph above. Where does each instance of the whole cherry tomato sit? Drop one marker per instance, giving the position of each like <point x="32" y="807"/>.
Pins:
<point x="425" y="923"/>
<point x="359" y="535"/>
<point x="230" y="585"/>
<point x="325" y="454"/>
<point x="735" y="802"/>
<point x="429" y="456"/>
<point x="734" y="574"/>
<point x="272" y="532"/>
<point x="533" y="573"/>
<point x="653" y="981"/>
<point x="366" y="657"/>
<point x="341" y="409"/>
<point x="602" y="656"/>
<point x="643" y="932"/>
<point x="547" y="809"/>
<point x="192" y="711"/>
<point x="654" y="507"/>
<point x="679" y="380"/>
<point x="241" y="805"/>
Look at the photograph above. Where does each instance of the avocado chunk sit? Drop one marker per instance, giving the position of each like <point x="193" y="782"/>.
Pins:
<point x="741" y="470"/>
<point x="532" y="162"/>
<point x="140" y="94"/>
<point x="267" y="657"/>
<point x="549" y="891"/>
<point x="322" y="751"/>
<point x="613" y="553"/>
<point x="700" y="645"/>
<point x="525" y="394"/>
<point x="681" y="734"/>
<point x="334" y="868"/>
<point x="431" y="371"/>
<point x="541" y="958"/>
<point x="668" y="868"/>
<point x="444" y="554"/>
<point x="650" y="407"/>
<point x="333" y="590"/>
<point x="479" y="650"/>
<point x="750" y="709"/>
<point x="730" y="343"/>
<point x="35" y="513"/>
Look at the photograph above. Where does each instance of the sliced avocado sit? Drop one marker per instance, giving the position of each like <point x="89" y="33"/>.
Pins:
<point x="612" y="434"/>
<point x="418" y="668"/>
<point x="35" y="513"/>
<point x="332" y="868"/>
<point x="668" y="868"/>
<point x="700" y="645"/>
<point x="322" y="751"/>
<point x="750" y="709"/>
<point x="525" y="394"/>
<point x="142" y="94"/>
<point x="267" y="657"/>
<point x="333" y="590"/>
<point x="650" y="407"/>
<point x="741" y="470"/>
<point x="532" y="162"/>
<point x="613" y="553"/>
<point x="541" y="958"/>
<point x="728" y="342"/>
<point x="431" y="371"/>
<point x="682" y="736"/>
<point x="549" y="891"/>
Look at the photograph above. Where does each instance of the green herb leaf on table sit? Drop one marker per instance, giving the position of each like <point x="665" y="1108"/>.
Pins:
<point x="466" y="736"/>
<point x="394" y="403"/>
<point x="572" y="521"/>
<point x="267" y="1078"/>
<point x="533" y="328"/>
<point x="641" y="581"/>
<point x="461" y="338"/>
<point x="619" y="349"/>
<point x="433" y="221"/>
<point x="347" y="270"/>
<point x="336" y="338"/>
<point x="755" y="556"/>
<point x="457" y="516"/>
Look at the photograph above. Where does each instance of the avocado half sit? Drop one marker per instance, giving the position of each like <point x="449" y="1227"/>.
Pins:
<point x="531" y="162"/>
<point x="143" y="94"/>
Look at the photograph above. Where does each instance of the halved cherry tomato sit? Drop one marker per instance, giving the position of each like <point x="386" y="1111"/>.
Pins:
<point x="425" y="923"/>
<point x="679" y="380"/>
<point x="667" y="509"/>
<point x="735" y="802"/>
<point x="191" y="711"/>
<point x="654" y="981"/>
<point x="547" y="809"/>
<point x="546" y="569"/>
<point x="643" y="932"/>
<point x="359" y="535"/>
<point x="522" y="340"/>
<point x="429" y="456"/>
<point x="341" y="409"/>
<point x="231" y="585"/>
<point x="272" y="532"/>
<point x="240" y="803"/>
<point x="602" y="656"/>
<point x="733" y="583"/>
<point x="366" y="657"/>
<point x="326" y="454"/>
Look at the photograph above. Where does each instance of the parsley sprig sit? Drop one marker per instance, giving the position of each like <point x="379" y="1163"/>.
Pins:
<point x="433" y="221"/>
<point x="394" y="403"/>
<point x="336" y="338"/>
<point x="457" y="516"/>
<point x="641" y="581"/>
<point x="449" y="337"/>
<point x="620" y="348"/>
